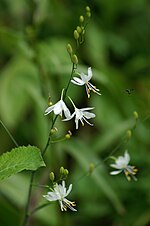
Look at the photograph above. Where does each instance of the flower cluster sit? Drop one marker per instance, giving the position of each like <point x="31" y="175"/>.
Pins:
<point x="80" y="114"/>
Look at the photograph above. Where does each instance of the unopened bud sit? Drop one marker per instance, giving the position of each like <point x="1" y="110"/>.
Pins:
<point x="91" y="168"/>
<point x="76" y="34"/>
<point x="88" y="14"/>
<point x="79" y="29"/>
<point x="129" y="133"/>
<point x="75" y="59"/>
<point x="66" y="172"/>
<point x="136" y="116"/>
<point x="87" y="8"/>
<point x="53" y="131"/>
<point x="61" y="170"/>
<point x="68" y="135"/>
<point x="69" y="48"/>
<point x="52" y="176"/>
<point x="49" y="101"/>
<point x="81" y="19"/>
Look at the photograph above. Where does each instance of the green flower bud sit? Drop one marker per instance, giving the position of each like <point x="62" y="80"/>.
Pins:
<point x="52" y="176"/>
<point x="53" y="131"/>
<point x="129" y="133"/>
<point x="69" y="48"/>
<point x="66" y="172"/>
<point x="79" y="29"/>
<point x="136" y="116"/>
<point x="75" y="59"/>
<point x="81" y="19"/>
<point x="87" y="8"/>
<point x="61" y="170"/>
<point x="76" y="34"/>
<point x="68" y="135"/>
<point x="88" y="14"/>
<point x="49" y="101"/>
<point x="91" y="168"/>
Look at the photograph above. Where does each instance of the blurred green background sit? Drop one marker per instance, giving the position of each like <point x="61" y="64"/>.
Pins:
<point x="34" y="63"/>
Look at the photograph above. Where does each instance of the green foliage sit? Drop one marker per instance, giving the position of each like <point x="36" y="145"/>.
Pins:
<point x="19" y="159"/>
<point x="34" y="64"/>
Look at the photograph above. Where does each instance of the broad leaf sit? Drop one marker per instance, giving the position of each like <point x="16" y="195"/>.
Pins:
<point x="21" y="158"/>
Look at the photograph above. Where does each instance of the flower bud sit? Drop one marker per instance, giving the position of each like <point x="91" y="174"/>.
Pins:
<point x="136" y="116"/>
<point x="87" y="8"/>
<point x="76" y="34"/>
<point x="61" y="170"/>
<point x="66" y="172"/>
<point x="52" y="176"/>
<point x="88" y="14"/>
<point x="75" y="59"/>
<point x="129" y="133"/>
<point x="49" y="101"/>
<point x="91" y="168"/>
<point x="69" y="48"/>
<point x="79" y="29"/>
<point x="53" y="131"/>
<point x="81" y="19"/>
<point x="68" y="135"/>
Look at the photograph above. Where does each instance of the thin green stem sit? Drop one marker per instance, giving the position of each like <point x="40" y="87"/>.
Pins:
<point x="27" y="215"/>
<point x="9" y="134"/>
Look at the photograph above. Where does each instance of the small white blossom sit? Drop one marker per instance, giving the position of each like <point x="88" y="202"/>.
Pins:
<point x="59" y="193"/>
<point x="59" y="108"/>
<point x="122" y="165"/>
<point x="81" y="115"/>
<point x="85" y="81"/>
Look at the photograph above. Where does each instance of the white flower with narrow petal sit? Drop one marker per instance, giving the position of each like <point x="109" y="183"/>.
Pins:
<point x="59" y="108"/>
<point x="81" y="115"/>
<point x="59" y="193"/>
<point x="122" y="165"/>
<point x="84" y="80"/>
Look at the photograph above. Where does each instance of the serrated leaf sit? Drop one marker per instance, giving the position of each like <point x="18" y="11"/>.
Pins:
<point x="18" y="159"/>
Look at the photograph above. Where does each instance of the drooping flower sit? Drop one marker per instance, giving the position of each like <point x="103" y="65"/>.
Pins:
<point x="84" y="80"/>
<point x="81" y="115"/>
<point x="122" y="165"/>
<point x="59" y="108"/>
<point x="59" y="193"/>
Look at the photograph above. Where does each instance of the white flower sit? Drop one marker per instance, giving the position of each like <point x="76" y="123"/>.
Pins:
<point x="58" y="108"/>
<point x="85" y="81"/>
<point x="81" y="115"/>
<point x="122" y="165"/>
<point x="59" y="193"/>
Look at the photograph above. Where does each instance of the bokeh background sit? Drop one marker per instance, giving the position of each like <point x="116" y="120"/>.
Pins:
<point x="34" y="64"/>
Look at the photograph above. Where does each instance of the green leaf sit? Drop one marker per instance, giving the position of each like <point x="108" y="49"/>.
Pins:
<point x="21" y="158"/>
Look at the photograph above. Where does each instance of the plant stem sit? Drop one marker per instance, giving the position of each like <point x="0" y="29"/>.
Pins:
<point x="9" y="134"/>
<point x="27" y="216"/>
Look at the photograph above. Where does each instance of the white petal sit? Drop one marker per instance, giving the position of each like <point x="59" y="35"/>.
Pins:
<point x="65" y="109"/>
<point x="115" y="172"/>
<point x="58" y="108"/>
<point x="87" y="109"/>
<point x="88" y="115"/>
<point x="51" y="198"/>
<point x="84" y="77"/>
<point x="127" y="157"/>
<point x="77" y="122"/>
<point x="116" y="166"/>
<point x="89" y="73"/>
<point x="77" y="81"/>
<point x="49" y="110"/>
<point x="69" y="118"/>
<point x="69" y="189"/>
